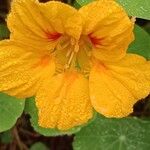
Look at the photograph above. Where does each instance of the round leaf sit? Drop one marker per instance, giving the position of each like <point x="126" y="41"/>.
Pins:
<point x="38" y="146"/>
<point x="141" y="45"/>
<point x="114" y="134"/>
<point x="4" y="32"/>
<point x="137" y="8"/>
<point x="10" y="109"/>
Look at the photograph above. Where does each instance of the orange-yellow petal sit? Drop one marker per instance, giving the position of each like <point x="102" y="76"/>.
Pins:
<point x="116" y="87"/>
<point x="41" y="25"/>
<point x="109" y="29"/>
<point x="21" y="71"/>
<point x="63" y="102"/>
<point x="63" y="18"/>
<point x="28" y="26"/>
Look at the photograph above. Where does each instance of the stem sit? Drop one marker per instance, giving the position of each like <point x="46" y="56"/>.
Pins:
<point x="21" y="145"/>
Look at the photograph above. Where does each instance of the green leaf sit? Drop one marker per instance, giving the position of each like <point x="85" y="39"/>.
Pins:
<point x="83" y="2"/>
<point x="10" y="109"/>
<point x="4" y="32"/>
<point x="76" y="5"/>
<point x="147" y="27"/>
<point x="38" y="146"/>
<point x="32" y="110"/>
<point x="114" y="134"/>
<point x="137" y="8"/>
<point x="141" y="45"/>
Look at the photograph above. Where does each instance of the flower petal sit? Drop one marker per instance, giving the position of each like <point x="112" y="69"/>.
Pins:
<point x="109" y="29"/>
<point x="21" y="71"/>
<point x="30" y="22"/>
<point x="63" y="18"/>
<point x="28" y="29"/>
<point x="116" y="87"/>
<point x="63" y="102"/>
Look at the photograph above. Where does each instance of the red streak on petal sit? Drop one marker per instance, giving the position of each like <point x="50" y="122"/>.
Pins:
<point x="95" y="41"/>
<point x="53" y="36"/>
<point x="43" y="62"/>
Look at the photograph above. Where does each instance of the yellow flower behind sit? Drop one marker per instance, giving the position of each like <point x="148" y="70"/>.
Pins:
<point x="72" y="61"/>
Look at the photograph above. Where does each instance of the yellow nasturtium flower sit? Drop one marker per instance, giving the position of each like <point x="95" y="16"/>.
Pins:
<point x="72" y="61"/>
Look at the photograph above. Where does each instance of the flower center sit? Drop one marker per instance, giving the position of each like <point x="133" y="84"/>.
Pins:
<point x="72" y="51"/>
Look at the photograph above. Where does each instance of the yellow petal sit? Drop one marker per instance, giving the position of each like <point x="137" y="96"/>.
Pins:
<point x="63" y="18"/>
<point x="28" y="26"/>
<point x="63" y="102"/>
<point x="109" y="29"/>
<point x="40" y="25"/>
<point x="116" y="87"/>
<point x="21" y="71"/>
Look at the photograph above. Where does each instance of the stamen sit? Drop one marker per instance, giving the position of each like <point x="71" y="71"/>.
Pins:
<point x="65" y="45"/>
<point x="71" y="57"/>
<point x="71" y="52"/>
<point x="68" y="53"/>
